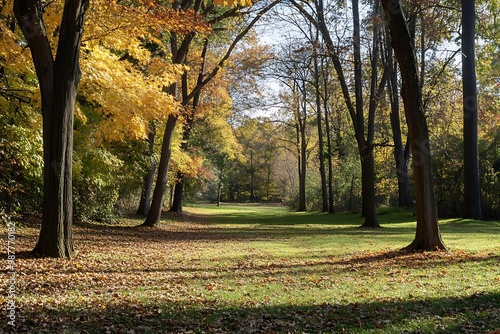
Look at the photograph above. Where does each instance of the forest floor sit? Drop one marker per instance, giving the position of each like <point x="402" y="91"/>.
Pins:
<point x="257" y="269"/>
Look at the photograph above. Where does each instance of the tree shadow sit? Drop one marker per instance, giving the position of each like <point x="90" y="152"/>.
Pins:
<point x="301" y="266"/>
<point x="471" y="226"/>
<point x="477" y="313"/>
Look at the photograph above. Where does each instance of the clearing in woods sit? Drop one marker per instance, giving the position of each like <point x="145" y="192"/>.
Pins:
<point x="259" y="269"/>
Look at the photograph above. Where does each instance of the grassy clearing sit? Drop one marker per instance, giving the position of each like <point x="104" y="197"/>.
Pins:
<point x="261" y="269"/>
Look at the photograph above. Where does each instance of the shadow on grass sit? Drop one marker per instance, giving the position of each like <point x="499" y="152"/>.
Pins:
<point x="301" y="266"/>
<point x="470" y="225"/>
<point x="301" y="218"/>
<point x="476" y="313"/>
<point x="255" y="229"/>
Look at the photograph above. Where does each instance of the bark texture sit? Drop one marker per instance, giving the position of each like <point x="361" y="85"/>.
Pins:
<point x="154" y="215"/>
<point x="401" y="152"/>
<point x="427" y="236"/>
<point x="178" y="194"/>
<point x="58" y="79"/>
<point x="472" y="191"/>
<point x="145" y="203"/>
<point x="321" y="155"/>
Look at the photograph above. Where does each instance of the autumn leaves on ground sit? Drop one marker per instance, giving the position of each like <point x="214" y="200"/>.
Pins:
<point x="259" y="269"/>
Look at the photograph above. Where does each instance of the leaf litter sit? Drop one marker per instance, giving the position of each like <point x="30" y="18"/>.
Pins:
<point x="181" y="278"/>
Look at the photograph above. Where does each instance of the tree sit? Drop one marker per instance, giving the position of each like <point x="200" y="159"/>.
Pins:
<point x="214" y="139"/>
<point x="179" y="50"/>
<point x="58" y="78"/>
<point x="364" y="138"/>
<point x="179" y="54"/>
<point x="319" y="118"/>
<point x="472" y="191"/>
<point x="187" y="126"/>
<point x="145" y="202"/>
<point x="401" y="152"/>
<point x="125" y="70"/>
<point x="293" y="71"/>
<point x="427" y="235"/>
<point x="326" y="97"/>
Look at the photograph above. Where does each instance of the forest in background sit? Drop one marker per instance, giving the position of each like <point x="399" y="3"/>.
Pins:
<point x="220" y="150"/>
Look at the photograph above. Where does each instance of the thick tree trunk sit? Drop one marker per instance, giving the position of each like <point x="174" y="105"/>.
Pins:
<point x="58" y="81"/>
<point x="368" y="188"/>
<point x="427" y="236"/>
<point x="472" y="191"/>
<point x="154" y="214"/>
<point x="178" y="194"/>
<point x="145" y="202"/>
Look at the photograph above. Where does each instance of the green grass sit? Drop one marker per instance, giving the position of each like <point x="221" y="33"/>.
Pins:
<point x="263" y="269"/>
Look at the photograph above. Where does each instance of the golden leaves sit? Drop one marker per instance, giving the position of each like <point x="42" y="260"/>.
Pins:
<point x="128" y="97"/>
<point x="225" y="3"/>
<point x="145" y="20"/>
<point x="125" y="63"/>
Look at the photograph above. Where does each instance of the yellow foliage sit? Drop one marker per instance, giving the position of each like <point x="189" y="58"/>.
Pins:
<point x="80" y="115"/>
<point x="242" y="3"/>
<point x="125" y="95"/>
<point x="120" y="76"/>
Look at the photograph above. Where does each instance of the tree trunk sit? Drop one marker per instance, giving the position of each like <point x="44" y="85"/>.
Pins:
<point x="325" y="71"/>
<point x="58" y="81"/>
<point x="427" y="236"/>
<point x="219" y="188"/>
<point x="401" y="154"/>
<point x="303" y="167"/>
<point x="331" y="207"/>
<point x="187" y="127"/>
<point x="366" y="145"/>
<point x="302" y="112"/>
<point x="321" y="155"/>
<point x="368" y="188"/>
<point x="355" y="111"/>
<point x="154" y="214"/>
<point x="351" y="194"/>
<point x="472" y="191"/>
<point x="145" y="202"/>
<point x="300" y="167"/>
<point x="178" y="193"/>
<point x="252" y="172"/>
<point x="359" y="121"/>
<point x="268" y="183"/>
<point x="402" y="158"/>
